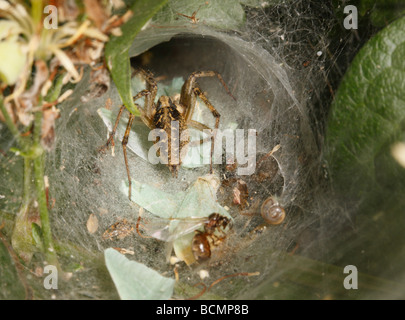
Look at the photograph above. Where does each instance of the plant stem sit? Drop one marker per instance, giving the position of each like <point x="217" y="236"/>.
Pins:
<point x="36" y="12"/>
<point x="43" y="210"/>
<point x="41" y="195"/>
<point x="27" y="181"/>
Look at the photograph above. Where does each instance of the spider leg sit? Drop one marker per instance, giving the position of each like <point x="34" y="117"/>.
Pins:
<point x="151" y="87"/>
<point x="146" y="115"/>
<point x="198" y="93"/>
<point x="186" y="96"/>
<point x="125" y="138"/>
<point x="201" y="127"/>
<point x="112" y="134"/>
<point x="149" y="123"/>
<point x="140" y="94"/>
<point x="124" y="149"/>
<point x="143" y="93"/>
<point x="198" y="125"/>
<point x="122" y="108"/>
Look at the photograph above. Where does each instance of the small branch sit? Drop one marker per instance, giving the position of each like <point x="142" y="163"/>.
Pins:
<point x="27" y="181"/>
<point x="36" y="12"/>
<point x="41" y="196"/>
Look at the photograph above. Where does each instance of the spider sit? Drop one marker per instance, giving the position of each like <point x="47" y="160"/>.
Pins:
<point x="161" y="115"/>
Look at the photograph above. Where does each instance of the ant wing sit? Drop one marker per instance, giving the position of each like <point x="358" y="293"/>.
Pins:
<point x="172" y="229"/>
<point x="185" y="226"/>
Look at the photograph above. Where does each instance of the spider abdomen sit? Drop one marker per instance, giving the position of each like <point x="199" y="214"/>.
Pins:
<point x="174" y="141"/>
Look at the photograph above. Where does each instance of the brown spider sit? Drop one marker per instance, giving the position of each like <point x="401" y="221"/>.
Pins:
<point x="161" y="115"/>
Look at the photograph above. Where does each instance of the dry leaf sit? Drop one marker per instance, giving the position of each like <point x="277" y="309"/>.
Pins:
<point x="96" y="12"/>
<point x="241" y="194"/>
<point x="29" y="99"/>
<point x="124" y="251"/>
<point x="92" y="223"/>
<point x="48" y="127"/>
<point x="67" y="10"/>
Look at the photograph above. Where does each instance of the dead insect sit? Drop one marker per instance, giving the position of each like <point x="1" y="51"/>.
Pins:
<point x="213" y="235"/>
<point x="241" y="194"/>
<point x="193" y="18"/>
<point x="272" y="212"/>
<point x="119" y="230"/>
<point x="165" y="112"/>
<point x="203" y="241"/>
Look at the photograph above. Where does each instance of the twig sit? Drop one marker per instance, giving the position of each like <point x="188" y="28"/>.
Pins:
<point x="200" y="293"/>
<point x="41" y="196"/>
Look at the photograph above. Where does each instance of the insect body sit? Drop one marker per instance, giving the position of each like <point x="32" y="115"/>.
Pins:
<point x="201" y="246"/>
<point x="169" y="120"/>
<point x="119" y="230"/>
<point x="214" y="233"/>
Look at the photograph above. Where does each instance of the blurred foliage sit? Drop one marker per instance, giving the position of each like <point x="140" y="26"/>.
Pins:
<point x="368" y="111"/>
<point x="382" y="12"/>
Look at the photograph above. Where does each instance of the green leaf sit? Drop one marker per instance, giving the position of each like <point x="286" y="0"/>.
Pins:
<point x="152" y="199"/>
<point x="9" y="30"/>
<point x="21" y="238"/>
<point x="37" y="236"/>
<point x="198" y="201"/>
<point x="116" y="50"/>
<point x="368" y="112"/>
<point x="12" y="61"/>
<point x="135" y="281"/>
<point x="382" y="12"/>
<point x="55" y="90"/>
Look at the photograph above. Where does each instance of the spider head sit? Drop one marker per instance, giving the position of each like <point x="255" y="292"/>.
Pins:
<point x="165" y="102"/>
